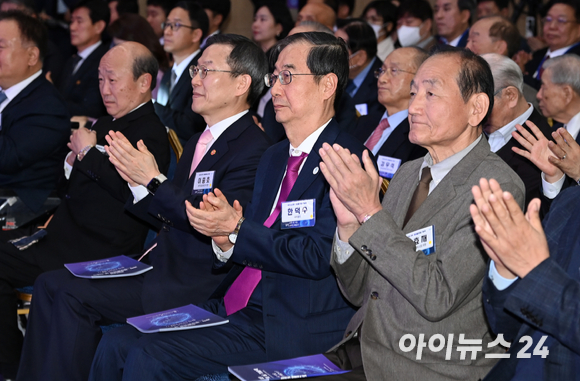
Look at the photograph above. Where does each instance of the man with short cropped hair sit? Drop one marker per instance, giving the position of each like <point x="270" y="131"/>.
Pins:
<point x="452" y="19"/>
<point x="217" y="12"/>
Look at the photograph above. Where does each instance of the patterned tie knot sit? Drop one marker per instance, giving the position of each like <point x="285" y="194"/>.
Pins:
<point x="294" y="162"/>
<point x="377" y="134"/>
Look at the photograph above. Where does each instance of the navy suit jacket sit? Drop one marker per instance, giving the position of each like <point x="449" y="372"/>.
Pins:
<point x="533" y="65"/>
<point x="183" y="258"/>
<point x="81" y="89"/>
<point x="177" y="113"/>
<point x="35" y="130"/>
<point x="368" y="91"/>
<point x="303" y="310"/>
<point x="546" y="300"/>
<point x="397" y="145"/>
<point x="528" y="172"/>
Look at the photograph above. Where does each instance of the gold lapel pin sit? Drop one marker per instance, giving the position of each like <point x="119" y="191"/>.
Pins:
<point x="213" y="152"/>
<point x="78" y="81"/>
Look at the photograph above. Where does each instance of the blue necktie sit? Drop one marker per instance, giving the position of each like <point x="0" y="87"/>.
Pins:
<point x="2" y="96"/>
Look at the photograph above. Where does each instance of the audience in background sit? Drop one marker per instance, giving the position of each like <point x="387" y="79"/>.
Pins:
<point x="217" y="13"/>
<point x="382" y="17"/>
<point x="272" y="22"/>
<point x="415" y="25"/>
<point x="318" y="12"/>
<point x="487" y="8"/>
<point x="157" y="11"/>
<point x="452" y="19"/>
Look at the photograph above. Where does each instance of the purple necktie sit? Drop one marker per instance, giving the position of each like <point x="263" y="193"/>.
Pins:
<point x="240" y="291"/>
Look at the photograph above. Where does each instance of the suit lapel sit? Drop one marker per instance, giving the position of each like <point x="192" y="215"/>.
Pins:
<point x="396" y="139"/>
<point x="366" y="126"/>
<point x="276" y="170"/>
<point x="183" y="85"/>
<point x="24" y="93"/>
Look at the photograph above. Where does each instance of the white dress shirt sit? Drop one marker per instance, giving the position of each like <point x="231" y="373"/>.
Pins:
<point x="16" y="89"/>
<point x="85" y="53"/>
<point x="394" y="122"/>
<point x="499" y="138"/>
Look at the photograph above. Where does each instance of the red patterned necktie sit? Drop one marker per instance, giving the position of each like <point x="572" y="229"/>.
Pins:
<point x="377" y="134"/>
<point x="240" y="291"/>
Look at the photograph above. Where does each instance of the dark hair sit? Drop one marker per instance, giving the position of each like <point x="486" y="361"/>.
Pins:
<point x="500" y="4"/>
<point x="419" y="57"/>
<point x="575" y="4"/>
<point x="218" y="7"/>
<point x="349" y="3"/>
<point x="327" y="55"/>
<point x="361" y="37"/>
<point x="132" y="27"/>
<point x="146" y="64"/>
<point x="474" y="75"/>
<point x="26" y="6"/>
<point x="385" y="9"/>
<point x="281" y="15"/>
<point x="31" y="30"/>
<point x="245" y="58"/>
<point x="166" y="5"/>
<point x="504" y="30"/>
<point x="98" y="10"/>
<point x="197" y="15"/>
<point x="467" y="5"/>
<point x="126" y="6"/>
<point x="420" y="9"/>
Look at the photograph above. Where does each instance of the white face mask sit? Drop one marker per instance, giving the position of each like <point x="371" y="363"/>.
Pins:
<point x="409" y="35"/>
<point x="378" y="29"/>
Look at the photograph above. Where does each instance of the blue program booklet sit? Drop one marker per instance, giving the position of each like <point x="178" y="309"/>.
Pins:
<point x="114" y="267"/>
<point x="300" y="367"/>
<point x="175" y="319"/>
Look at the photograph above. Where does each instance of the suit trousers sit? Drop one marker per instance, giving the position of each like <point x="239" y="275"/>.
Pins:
<point x="65" y="319"/>
<point x="127" y="354"/>
<point x="17" y="269"/>
<point x="348" y="357"/>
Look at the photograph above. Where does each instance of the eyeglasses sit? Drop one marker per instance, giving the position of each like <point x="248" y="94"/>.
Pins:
<point x="560" y="21"/>
<point x="393" y="70"/>
<point x="174" y="26"/>
<point x="202" y="70"/>
<point x="284" y="76"/>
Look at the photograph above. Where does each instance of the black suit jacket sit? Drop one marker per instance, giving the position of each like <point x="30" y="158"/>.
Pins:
<point x="368" y="91"/>
<point x="183" y="258"/>
<point x="528" y="172"/>
<point x="174" y="109"/>
<point x="397" y="145"/>
<point x="91" y="222"/>
<point x="35" y="130"/>
<point x="533" y="65"/>
<point x="81" y="89"/>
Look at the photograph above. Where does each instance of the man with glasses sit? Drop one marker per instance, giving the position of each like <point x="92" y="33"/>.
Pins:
<point x="562" y="34"/>
<point x="280" y="297"/>
<point x="184" y="29"/>
<point x="386" y="133"/>
<point x="67" y="312"/>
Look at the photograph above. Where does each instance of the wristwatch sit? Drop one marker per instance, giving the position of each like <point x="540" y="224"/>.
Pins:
<point x="83" y="152"/>
<point x="234" y="235"/>
<point x="155" y="183"/>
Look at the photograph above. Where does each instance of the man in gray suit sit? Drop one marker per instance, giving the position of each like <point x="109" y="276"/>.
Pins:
<point x="420" y="298"/>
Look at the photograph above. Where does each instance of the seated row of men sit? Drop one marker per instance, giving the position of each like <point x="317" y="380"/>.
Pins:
<point x="228" y="252"/>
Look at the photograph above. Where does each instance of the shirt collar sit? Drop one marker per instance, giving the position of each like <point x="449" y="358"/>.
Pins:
<point x="308" y="143"/>
<point x="358" y="80"/>
<point x="573" y="125"/>
<point x="559" y="52"/>
<point x="396" y="118"/>
<point x="218" y="128"/>
<point x="506" y="131"/>
<point x="14" y="90"/>
<point x="87" y="52"/>
<point x="456" y="40"/>
<point x="179" y="69"/>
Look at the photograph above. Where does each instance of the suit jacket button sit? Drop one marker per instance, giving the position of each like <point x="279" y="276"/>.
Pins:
<point x="374" y="295"/>
<point x="67" y="196"/>
<point x="261" y="267"/>
<point x="244" y="262"/>
<point x="373" y="257"/>
<point x="159" y="216"/>
<point x="364" y="247"/>
<point x="165" y="228"/>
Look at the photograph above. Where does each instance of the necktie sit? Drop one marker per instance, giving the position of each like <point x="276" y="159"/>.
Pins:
<point x="541" y="69"/>
<point x="350" y="88"/>
<point x="75" y="62"/>
<point x="200" y="147"/>
<point x="377" y="134"/>
<point x="420" y="194"/>
<point x="173" y="80"/>
<point x="240" y="291"/>
<point x="2" y="96"/>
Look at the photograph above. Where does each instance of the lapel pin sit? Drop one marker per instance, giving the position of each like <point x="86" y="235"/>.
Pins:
<point x="78" y="81"/>
<point x="315" y="171"/>
<point x="213" y="152"/>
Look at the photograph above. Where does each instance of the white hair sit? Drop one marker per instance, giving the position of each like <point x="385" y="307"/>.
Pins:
<point x="505" y="72"/>
<point x="565" y="70"/>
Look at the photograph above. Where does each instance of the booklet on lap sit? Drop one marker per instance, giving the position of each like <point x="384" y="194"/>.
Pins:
<point x="175" y="319"/>
<point x="300" y="367"/>
<point x="114" y="267"/>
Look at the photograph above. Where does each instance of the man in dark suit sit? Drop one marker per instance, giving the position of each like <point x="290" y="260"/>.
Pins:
<point x="296" y="308"/>
<point x="559" y="99"/>
<point x="217" y="13"/>
<point x="562" y="34"/>
<point x="452" y="18"/>
<point x="532" y="289"/>
<point x="363" y="61"/>
<point x="387" y="133"/>
<point x="34" y="129"/>
<point x="181" y="257"/>
<point x="184" y="29"/>
<point x="90" y="222"/>
<point x="80" y="82"/>
<point x="413" y="263"/>
<point x="511" y="108"/>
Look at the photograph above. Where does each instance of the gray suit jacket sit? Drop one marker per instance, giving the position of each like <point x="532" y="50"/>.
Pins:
<point x="401" y="291"/>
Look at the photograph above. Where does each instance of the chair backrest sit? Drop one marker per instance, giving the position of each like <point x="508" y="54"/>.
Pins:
<point x="175" y="143"/>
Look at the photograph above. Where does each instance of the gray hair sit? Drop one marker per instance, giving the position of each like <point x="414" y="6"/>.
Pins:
<point x="315" y="26"/>
<point x="505" y="73"/>
<point x="565" y="70"/>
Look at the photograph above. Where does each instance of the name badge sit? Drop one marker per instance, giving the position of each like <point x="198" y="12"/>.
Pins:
<point x="424" y="239"/>
<point x="298" y="214"/>
<point x="203" y="182"/>
<point x="362" y="109"/>
<point x="388" y="166"/>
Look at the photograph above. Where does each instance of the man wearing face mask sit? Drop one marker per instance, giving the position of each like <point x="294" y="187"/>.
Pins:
<point x="381" y="16"/>
<point x="415" y="24"/>
<point x="363" y="61"/>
